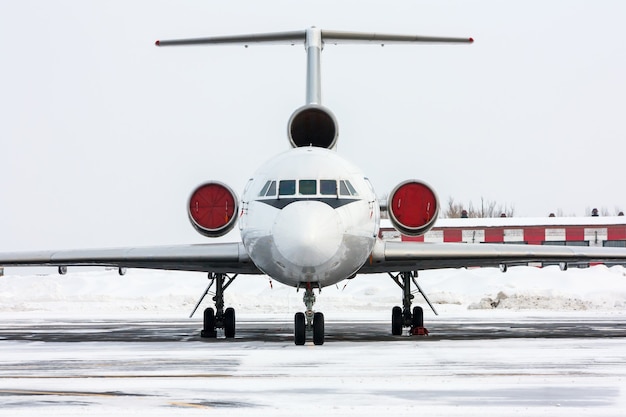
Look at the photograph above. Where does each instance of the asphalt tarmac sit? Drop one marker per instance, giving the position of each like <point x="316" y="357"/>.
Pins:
<point x="275" y="331"/>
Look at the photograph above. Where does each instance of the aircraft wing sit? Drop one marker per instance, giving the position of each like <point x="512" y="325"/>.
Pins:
<point x="396" y="256"/>
<point x="214" y="257"/>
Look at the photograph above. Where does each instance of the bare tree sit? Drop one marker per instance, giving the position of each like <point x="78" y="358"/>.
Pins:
<point x="454" y="209"/>
<point x="488" y="208"/>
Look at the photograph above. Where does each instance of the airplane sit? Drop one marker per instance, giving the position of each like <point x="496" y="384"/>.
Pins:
<point x="308" y="218"/>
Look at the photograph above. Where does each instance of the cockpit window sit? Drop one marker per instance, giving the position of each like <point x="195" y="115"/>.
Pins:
<point x="307" y="187"/>
<point x="264" y="189"/>
<point x="351" y="188"/>
<point x="328" y="187"/>
<point x="345" y="188"/>
<point x="271" y="192"/>
<point x="287" y="187"/>
<point x="268" y="190"/>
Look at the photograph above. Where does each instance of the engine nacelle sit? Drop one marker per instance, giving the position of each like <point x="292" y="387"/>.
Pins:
<point x="213" y="209"/>
<point x="312" y="125"/>
<point x="413" y="207"/>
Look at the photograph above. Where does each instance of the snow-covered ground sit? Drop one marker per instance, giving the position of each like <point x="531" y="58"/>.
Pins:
<point x="454" y="292"/>
<point x="402" y="377"/>
<point x="504" y="377"/>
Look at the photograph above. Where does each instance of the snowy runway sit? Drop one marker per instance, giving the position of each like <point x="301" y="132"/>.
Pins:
<point x="172" y="372"/>
<point x="94" y="343"/>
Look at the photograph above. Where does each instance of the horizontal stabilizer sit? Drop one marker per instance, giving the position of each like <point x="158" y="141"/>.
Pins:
<point x="327" y="36"/>
<point x="336" y="37"/>
<point x="278" y="38"/>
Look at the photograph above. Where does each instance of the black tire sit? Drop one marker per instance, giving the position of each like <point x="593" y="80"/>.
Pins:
<point x="418" y="317"/>
<point x="299" y="331"/>
<point x="229" y="323"/>
<point x="396" y="321"/>
<point x="318" y="329"/>
<point x="209" y="324"/>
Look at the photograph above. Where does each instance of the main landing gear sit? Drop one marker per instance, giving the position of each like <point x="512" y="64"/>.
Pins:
<point x="218" y="318"/>
<point x="405" y="317"/>
<point x="309" y="321"/>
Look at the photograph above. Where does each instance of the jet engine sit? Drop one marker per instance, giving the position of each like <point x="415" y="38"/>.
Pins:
<point x="413" y="207"/>
<point x="312" y="125"/>
<point x="213" y="209"/>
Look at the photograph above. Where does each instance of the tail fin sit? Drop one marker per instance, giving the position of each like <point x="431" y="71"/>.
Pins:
<point x="313" y="124"/>
<point x="314" y="40"/>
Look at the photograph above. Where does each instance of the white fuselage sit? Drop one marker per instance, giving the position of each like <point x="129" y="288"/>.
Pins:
<point x="309" y="216"/>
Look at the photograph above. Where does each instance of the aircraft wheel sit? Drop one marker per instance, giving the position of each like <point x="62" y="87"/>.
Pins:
<point x="318" y="329"/>
<point x="299" y="329"/>
<point x="418" y="317"/>
<point x="229" y="323"/>
<point x="209" y="324"/>
<point x="396" y="321"/>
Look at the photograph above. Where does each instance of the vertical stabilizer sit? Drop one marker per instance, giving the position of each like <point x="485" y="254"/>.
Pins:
<point x="313" y="46"/>
<point x="313" y="124"/>
<point x="314" y="40"/>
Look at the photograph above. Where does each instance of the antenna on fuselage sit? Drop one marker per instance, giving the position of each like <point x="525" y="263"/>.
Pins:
<point x="313" y="124"/>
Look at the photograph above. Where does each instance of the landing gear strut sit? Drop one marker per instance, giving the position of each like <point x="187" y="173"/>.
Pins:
<point x="405" y="317"/>
<point x="218" y="318"/>
<point x="309" y="321"/>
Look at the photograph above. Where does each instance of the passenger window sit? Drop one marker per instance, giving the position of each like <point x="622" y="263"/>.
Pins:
<point x="287" y="187"/>
<point x="307" y="187"/>
<point x="328" y="187"/>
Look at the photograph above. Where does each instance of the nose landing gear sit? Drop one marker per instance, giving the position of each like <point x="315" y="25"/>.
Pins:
<point x="309" y="321"/>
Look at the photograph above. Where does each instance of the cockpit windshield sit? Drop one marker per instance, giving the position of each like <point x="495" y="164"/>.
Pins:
<point x="287" y="187"/>
<point x="345" y="188"/>
<point x="308" y="187"/>
<point x="328" y="187"/>
<point x="268" y="190"/>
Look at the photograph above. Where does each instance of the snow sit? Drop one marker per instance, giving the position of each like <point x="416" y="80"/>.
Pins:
<point x="587" y="221"/>
<point x="90" y="293"/>
<point x="447" y="378"/>
<point x="434" y="377"/>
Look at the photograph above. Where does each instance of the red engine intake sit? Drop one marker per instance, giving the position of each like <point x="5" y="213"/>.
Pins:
<point x="213" y="209"/>
<point x="413" y="207"/>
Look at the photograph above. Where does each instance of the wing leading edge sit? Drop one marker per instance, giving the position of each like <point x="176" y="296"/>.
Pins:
<point x="413" y="256"/>
<point x="227" y="258"/>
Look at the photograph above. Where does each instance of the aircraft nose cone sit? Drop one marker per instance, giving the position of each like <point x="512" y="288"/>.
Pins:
<point x="308" y="233"/>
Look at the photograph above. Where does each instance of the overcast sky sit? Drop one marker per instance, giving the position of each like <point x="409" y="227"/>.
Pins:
<point x="103" y="135"/>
